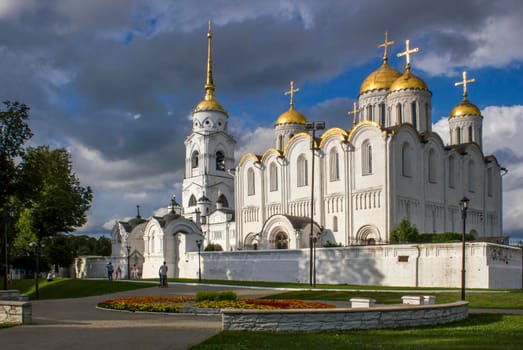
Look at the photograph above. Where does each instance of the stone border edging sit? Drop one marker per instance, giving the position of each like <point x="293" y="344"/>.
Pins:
<point x="394" y="316"/>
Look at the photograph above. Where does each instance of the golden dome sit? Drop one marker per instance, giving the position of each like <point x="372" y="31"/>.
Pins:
<point x="408" y="81"/>
<point x="381" y="78"/>
<point x="209" y="105"/>
<point x="463" y="109"/>
<point x="292" y="116"/>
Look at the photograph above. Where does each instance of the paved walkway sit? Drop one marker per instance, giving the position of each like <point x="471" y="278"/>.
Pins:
<point x="76" y="323"/>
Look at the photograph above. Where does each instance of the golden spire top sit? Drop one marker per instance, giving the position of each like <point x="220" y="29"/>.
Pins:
<point x="355" y="111"/>
<point x="464" y="83"/>
<point x="209" y="85"/>
<point x="407" y="53"/>
<point x="291" y="92"/>
<point x="385" y="44"/>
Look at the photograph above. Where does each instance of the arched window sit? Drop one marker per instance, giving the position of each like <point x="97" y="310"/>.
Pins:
<point x="458" y="135"/>
<point x="334" y="224"/>
<point x="405" y="160"/>
<point x="470" y="134"/>
<point x="273" y="177"/>
<point x="222" y="199"/>
<point x="366" y="158"/>
<point x="432" y="166"/>
<point x="302" y="171"/>
<point x="383" y="116"/>
<point x="471" y="176"/>
<point x="399" y="114"/>
<point x="414" y="110"/>
<point x="192" y="201"/>
<point x="194" y="159"/>
<point x="452" y="172"/>
<point x="250" y="182"/>
<point x="220" y="161"/>
<point x="334" y="165"/>
<point x="369" y="112"/>
<point x="427" y="116"/>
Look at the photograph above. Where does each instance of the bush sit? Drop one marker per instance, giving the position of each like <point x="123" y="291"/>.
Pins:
<point x="405" y="232"/>
<point x="215" y="296"/>
<point x="213" y="247"/>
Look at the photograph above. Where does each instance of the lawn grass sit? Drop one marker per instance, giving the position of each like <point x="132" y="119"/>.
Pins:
<point x="74" y="288"/>
<point x="478" y="332"/>
<point x="506" y="300"/>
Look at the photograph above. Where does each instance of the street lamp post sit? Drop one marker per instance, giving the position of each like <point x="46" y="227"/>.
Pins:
<point x="463" y="204"/>
<point x="6" y="260"/>
<point x="37" y="246"/>
<point x="313" y="127"/>
<point x="199" y="244"/>
<point x="128" y="261"/>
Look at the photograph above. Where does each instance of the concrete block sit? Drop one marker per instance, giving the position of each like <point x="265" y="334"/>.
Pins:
<point x="362" y="303"/>
<point x="412" y="299"/>
<point x="429" y="300"/>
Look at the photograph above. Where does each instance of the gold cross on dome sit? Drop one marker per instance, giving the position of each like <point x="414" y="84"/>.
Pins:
<point x="408" y="51"/>
<point x="291" y="92"/>
<point x="464" y="83"/>
<point x="386" y="44"/>
<point x="354" y="112"/>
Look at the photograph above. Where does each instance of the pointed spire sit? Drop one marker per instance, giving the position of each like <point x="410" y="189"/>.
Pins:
<point x="209" y="84"/>
<point x="209" y="102"/>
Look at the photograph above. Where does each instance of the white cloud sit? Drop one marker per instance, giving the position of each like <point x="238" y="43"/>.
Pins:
<point x="257" y="141"/>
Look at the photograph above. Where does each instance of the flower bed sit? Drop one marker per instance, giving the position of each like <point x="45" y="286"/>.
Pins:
<point x="188" y="304"/>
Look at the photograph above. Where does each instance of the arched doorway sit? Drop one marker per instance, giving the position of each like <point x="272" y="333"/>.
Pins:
<point x="281" y="240"/>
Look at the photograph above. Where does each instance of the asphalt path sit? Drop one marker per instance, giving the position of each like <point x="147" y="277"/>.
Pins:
<point x="64" y="324"/>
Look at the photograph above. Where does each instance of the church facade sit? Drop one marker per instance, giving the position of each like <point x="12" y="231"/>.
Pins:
<point x="348" y="186"/>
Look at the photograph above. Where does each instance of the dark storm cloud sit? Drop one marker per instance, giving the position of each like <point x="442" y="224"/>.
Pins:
<point x="121" y="77"/>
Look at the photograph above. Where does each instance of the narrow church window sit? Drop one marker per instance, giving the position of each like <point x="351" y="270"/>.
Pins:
<point x="452" y="172"/>
<point x="383" y="114"/>
<point x="405" y="160"/>
<point x="250" y="182"/>
<point x="194" y="159"/>
<point x="334" y="165"/>
<point x="427" y="116"/>
<point x="302" y="171"/>
<point x="280" y="142"/>
<point x="366" y="158"/>
<point x="220" y="161"/>
<point x="470" y="134"/>
<point x="222" y="199"/>
<point x="458" y="135"/>
<point x="399" y="115"/>
<point x="369" y="112"/>
<point x="273" y="177"/>
<point x="335" y="224"/>
<point x="432" y="166"/>
<point x="192" y="201"/>
<point x="414" y="115"/>
<point x="489" y="182"/>
<point x="471" y="176"/>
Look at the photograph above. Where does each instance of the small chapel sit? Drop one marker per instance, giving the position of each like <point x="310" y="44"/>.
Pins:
<point x="346" y="185"/>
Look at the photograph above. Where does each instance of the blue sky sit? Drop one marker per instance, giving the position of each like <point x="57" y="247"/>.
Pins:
<point x="115" y="81"/>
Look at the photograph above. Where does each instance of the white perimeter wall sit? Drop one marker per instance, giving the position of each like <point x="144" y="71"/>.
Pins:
<point x="425" y="265"/>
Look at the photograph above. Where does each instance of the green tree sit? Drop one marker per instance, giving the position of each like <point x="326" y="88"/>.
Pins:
<point x="52" y="192"/>
<point x="14" y="132"/>
<point x="405" y="232"/>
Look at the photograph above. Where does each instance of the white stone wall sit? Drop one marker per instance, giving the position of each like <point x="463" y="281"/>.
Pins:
<point x="425" y="265"/>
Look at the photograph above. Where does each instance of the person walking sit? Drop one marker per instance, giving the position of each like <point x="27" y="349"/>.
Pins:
<point x="110" y="271"/>
<point x="163" y="275"/>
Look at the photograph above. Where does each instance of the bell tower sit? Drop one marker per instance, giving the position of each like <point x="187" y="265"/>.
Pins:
<point x="209" y="151"/>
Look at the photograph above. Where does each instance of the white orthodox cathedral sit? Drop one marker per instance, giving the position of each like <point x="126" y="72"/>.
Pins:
<point x="345" y="186"/>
